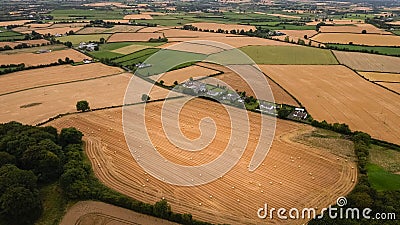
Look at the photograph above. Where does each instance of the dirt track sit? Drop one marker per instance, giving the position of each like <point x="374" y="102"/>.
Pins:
<point x="293" y="174"/>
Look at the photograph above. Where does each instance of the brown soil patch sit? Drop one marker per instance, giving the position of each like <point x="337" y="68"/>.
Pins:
<point x="360" y="39"/>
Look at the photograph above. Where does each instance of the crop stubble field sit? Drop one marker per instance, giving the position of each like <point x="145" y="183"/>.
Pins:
<point x="308" y="175"/>
<point x="369" y="62"/>
<point x="337" y="94"/>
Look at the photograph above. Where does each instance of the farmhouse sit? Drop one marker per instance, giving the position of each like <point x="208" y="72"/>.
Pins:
<point x="88" y="46"/>
<point x="196" y="86"/>
<point x="300" y="113"/>
<point x="142" y="65"/>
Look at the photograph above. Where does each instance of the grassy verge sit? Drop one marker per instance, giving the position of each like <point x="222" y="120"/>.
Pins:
<point x="382" y="180"/>
<point x="55" y="204"/>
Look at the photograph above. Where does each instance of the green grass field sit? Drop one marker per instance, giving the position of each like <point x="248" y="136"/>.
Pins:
<point x="105" y="50"/>
<point x="9" y="35"/>
<point x="382" y="180"/>
<point x="76" y="39"/>
<point x="374" y="49"/>
<point x="136" y="55"/>
<point x="296" y="55"/>
<point x="72" y="14"/>
<point x="165" y="60"/>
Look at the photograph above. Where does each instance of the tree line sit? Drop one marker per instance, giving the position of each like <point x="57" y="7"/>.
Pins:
<point x="31" y="157"/>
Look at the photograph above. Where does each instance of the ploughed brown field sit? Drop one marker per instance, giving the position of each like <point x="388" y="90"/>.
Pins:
<point x="34" y="59"/>
<point x="95" y="213"/>
<point x="337" y="94"/>
<point x="292" y="175"/>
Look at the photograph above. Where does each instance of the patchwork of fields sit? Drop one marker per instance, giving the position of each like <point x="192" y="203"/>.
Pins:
<point x="232" y="205"/>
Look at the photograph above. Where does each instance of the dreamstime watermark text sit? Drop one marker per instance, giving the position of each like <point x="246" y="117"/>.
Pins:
<point x="332" y="212"/>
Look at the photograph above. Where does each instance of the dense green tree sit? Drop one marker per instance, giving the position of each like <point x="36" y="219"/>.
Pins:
<point x="20" y="205"/>
<point x="145" y="98"/>
<point x="70" y="136"/>
<point x="162" y="209"/>
<point x="12" y="176"/>
<point x="82" y="106"/>
<point x="6" y="158"/>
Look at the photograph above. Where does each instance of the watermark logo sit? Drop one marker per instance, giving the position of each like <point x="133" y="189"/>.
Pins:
<point x="332" y="212"/>
<point x="145" y="144"/>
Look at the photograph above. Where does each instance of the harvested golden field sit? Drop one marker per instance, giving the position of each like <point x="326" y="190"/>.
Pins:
<point x="201" y="47"/>
<point x="70" y="25"/>
<point x="153" y="29"/>
<point x="299" y="33"/>
<point x="115" y="29"/>
<point x="236" y="82"/>
<point x="37" y="105"/>
<point x="184" y="74"/>
<point x="33" y="59"/>
<point x="359" y="39"/>
<point x="95" y="213"/>
<point x="228" y="27"/>
<point x="385" y="77"/>
<point x="130" y="49"/>
<point x="392" y="86"/>
<point x="138" y="17"/>
<point x="292" y="175"/>
<point x="336" y="94"/>
<point x="369" y="62"/>
<point x="356" y="28"/>
<point x="338" y="22"/>
<point x="55" y="47"/>
<point x="122" y="37"/>
<point x="92" y="30"/>
<point x="15" y="22"/>
<point x="397" y="23"/>
<point x="53" y="75"/>
<point x="124" y="29"/>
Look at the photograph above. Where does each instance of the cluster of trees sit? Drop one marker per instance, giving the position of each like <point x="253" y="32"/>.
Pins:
<point x="20" y="46"/>
<point x="364" y="195"/>
<point x="341" y="128"/>
<point x="29" y="156"/>
<point x="159" y="39"/>
<point x="101" y="23"/>
<point x="33" y="156"/>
